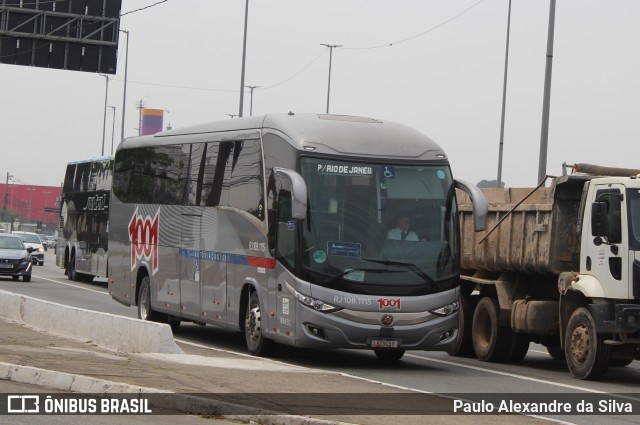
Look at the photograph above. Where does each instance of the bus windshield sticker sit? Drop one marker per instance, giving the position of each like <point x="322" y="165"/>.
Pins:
<point x="343" y="249"/>
<point x="345" y="170"/>
<point x="354" y="275"/>
<point x="291" y="225"/>
<point x="388" y="172"/>
<point x="441" y="175"/>
<point x="319" y="256"/>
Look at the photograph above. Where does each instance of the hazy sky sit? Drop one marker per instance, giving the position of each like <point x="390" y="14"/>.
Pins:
<point x="436" y="65"/>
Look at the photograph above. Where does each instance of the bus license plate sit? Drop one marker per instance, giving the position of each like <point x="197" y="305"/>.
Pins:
<point x="384" y="343"/>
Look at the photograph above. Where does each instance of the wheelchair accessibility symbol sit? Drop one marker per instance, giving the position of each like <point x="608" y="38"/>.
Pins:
<point x="389" y="172"/>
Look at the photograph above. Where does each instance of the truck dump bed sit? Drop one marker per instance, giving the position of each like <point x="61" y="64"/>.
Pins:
<point x="541" y="235"/>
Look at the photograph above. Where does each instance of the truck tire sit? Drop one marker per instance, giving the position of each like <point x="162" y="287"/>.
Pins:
<point x="257" y="344"/>
<point x="463" y="345"/>
<point x="556" y="352"/>
<point x="491" y="343"/>
<point x="518" y="348"/>
<point x="588" y="357"/>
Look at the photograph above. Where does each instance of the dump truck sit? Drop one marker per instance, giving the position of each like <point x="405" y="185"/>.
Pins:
<point x="557" y="265"/>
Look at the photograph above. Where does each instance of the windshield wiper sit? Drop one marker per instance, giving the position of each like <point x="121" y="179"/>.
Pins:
<point x="409" y="266"/>
<point x="346" y="272"/>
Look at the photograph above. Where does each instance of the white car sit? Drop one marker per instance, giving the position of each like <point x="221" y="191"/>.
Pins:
<point x="30" y="239"/>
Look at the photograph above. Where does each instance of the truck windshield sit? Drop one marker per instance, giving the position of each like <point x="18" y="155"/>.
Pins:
<point x="380" y="228"/>
<point x="633" y="195"/>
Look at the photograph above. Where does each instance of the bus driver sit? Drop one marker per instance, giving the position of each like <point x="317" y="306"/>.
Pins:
<point x="402" y="232"/>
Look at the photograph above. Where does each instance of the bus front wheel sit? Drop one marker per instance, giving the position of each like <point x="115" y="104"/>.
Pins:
<point x="257" y="344"/>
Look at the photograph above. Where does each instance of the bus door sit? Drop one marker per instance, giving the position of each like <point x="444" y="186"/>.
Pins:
<point x="190" y="261"/>
<point x="285" y="281"/>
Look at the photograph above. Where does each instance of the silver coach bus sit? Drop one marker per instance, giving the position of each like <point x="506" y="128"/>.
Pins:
<point x="82" y="245"/>
<point x="282" y="227"/>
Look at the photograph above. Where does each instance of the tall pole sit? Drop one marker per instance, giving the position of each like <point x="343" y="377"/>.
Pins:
<point x="504" y="98"/>
<point x="113" y="125"/>
<point x="104" y="119"/>
<point x="544" y="134"/>
<point x="140" y="107"/>
<point x="244" y="55"/>
<point x="330" y="46"/>
<point x="124" y="93"/>
<point x="251" y="97"/>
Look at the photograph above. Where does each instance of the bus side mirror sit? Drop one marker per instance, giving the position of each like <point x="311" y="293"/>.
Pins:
<point x="293" y="182"/>
<point x="480" y="206"/>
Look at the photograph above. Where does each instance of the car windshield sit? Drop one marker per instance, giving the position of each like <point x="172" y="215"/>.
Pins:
<point x="27" y="238"/>
<point x="380" y="228"/>
<point x="10" y="243"/>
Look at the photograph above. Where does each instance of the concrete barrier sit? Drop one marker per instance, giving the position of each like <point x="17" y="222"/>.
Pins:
<point x="116" y="333"/>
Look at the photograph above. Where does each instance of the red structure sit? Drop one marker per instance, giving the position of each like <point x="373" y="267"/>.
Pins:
<point x="31" y="203"/>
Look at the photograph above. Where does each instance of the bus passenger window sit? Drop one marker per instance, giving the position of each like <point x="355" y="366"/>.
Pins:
<point x="246" y="178"/>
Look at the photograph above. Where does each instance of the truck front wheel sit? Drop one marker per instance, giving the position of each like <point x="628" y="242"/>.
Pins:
<point x="587" y="355"/>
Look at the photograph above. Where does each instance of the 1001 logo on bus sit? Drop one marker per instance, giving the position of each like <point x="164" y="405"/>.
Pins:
<point x="143" y="233"/>
<point x="388" y="302"/>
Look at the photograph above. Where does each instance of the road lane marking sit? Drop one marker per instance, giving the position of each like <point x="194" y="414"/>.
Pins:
<point x="72" y="285"/>
<point x="515" y="376"/>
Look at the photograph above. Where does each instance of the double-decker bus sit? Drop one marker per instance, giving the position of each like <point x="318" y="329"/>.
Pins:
<point x="279" y="227"/>
<point x="82" y="245"/>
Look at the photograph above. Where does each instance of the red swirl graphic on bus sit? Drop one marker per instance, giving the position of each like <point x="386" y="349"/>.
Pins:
<point x="143" y="233"/>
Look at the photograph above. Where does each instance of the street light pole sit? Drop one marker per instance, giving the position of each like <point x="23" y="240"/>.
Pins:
<point x="113" y="125"/>
<point x="330" y="46"/>
<point x="544" y="134"/>
<point x="124" y="92"/>
<point x="504" y="98"/>
<point x="251" y="103"/>
<point x="244" y="55"/>
<point x="104" y="119"/>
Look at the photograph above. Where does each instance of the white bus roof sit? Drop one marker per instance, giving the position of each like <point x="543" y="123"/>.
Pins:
<point x="337" y="134"/>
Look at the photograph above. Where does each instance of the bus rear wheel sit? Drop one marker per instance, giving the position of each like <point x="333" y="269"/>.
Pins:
<point x="257" y="344"/>
<point x="71" y="268"/>
<point x="145" y="312"/>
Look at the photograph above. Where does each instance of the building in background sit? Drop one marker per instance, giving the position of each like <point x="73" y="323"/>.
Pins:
<point x="36" y="207"/>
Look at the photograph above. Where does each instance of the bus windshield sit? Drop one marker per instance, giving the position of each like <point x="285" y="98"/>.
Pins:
<point x="379" y="228"/>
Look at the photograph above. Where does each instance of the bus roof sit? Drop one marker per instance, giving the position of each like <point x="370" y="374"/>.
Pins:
<point x="92" y="159"/>
<point x="337" y="134"/>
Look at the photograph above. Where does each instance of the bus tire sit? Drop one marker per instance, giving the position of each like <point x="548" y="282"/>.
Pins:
<point x="489" y="340"/>
<point x="588" y="357"/>
<point x="71" y="268"/>
<point x="145" y="312"/>
<point x="257" y="344"/>
<point x="463" y="345"/>
<point x="389" y="356"/>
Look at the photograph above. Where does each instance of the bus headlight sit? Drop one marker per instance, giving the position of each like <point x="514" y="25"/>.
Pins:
<point x="446" y="310"/>
<point x="312" y="302"/>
